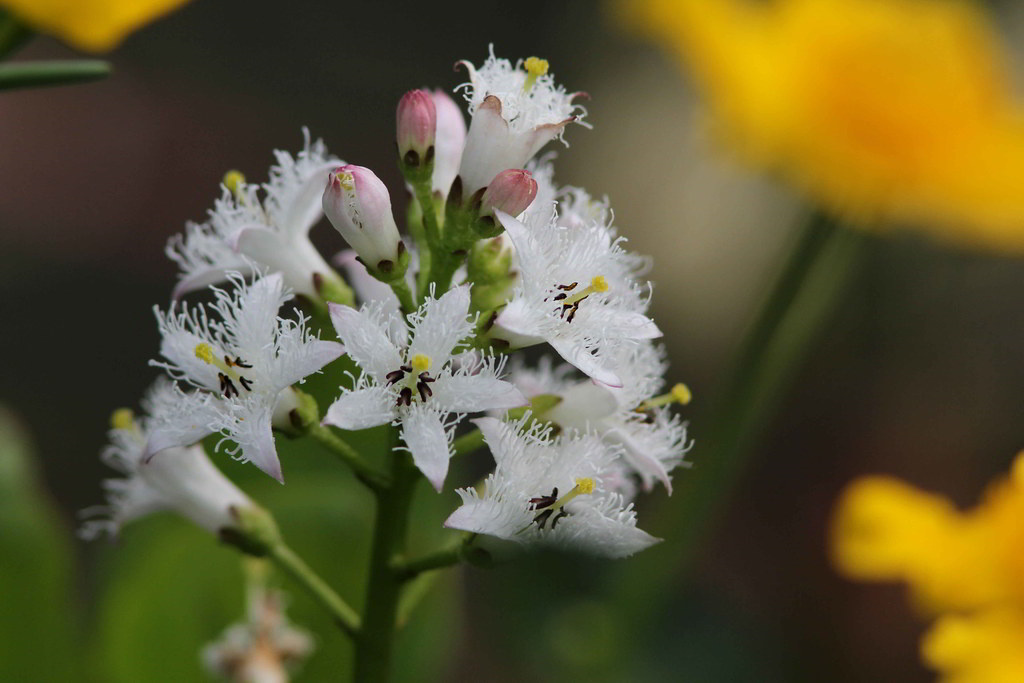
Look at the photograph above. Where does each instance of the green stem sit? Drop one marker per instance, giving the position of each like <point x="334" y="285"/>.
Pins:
<point x="442" y="557"/>
<point x="413" y="594"/>
<point x="375" y="641"/>
<point x="366" y="473"/>
<point x="468" y="442"/>
<point x="294" y="566"/>
<point x="805" y="293"/>
<point x="404" y="294"/>
<point x="13" y="33"/>
<point x="36" y="74"/>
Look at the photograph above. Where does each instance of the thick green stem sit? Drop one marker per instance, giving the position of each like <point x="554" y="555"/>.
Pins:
<point x="37" y="74"/>
<point x="294" y="566"/>
<point x="366" y="473"/>
<point x="468" y="442"/>
<point x="805" y="293"/>
<point x="439" y="559"/>
<point x="375" y="641"/>
<point x="404" y="294"/>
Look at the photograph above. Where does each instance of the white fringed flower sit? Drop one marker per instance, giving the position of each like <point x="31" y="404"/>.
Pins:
<point x="243" y="361"/>
<point x="515" y="110"/>
<point x="577" y="293"/>
<point x="261" y="649"/>
<point x="410" y="377"/>
<point x="549" y="493"/>
<point x="273" y="233"/>
<point x="653" y="439"/>
<point x="179" y="479"/>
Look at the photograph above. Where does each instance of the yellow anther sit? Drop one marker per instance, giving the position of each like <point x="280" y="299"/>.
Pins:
<point x="420" y="363"/>
<point x="535" y="66"/>
<point x="599" y="284"/>
<point x="347" y="180"/>
<point x="122" y="418"/>
<point x="233" y="180"/>
<point x="681" y="393"/>
<point x="204" y="352"/>
<point x="585" y="485"/>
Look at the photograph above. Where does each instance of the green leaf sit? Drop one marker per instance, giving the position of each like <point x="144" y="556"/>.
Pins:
<point x="39" y="74"/>
<point x="38" y="618"/>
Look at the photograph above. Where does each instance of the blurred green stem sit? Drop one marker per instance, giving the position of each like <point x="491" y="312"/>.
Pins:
<point x="807" y="290"/>
<point x="375" y="641"/>
<point x="350" y="456"/>
<point x="468" y="442"/>
<point x="13" y="33"/>
<point x="293" y="565"/>
<point x="37" y="74"/>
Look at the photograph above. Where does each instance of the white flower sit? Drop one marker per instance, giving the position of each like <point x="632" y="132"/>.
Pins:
<point x="577" y="293"/>
<point x="243" y="361"/>
<point x="550" y="493"/>
<point x="273" y="233"/>
<point x="262" y="648"/>
<point x="654" y="440"/>
<point x="410" y="377"/>
<point x="179" y="479"/>
<point x="515" y="110"/>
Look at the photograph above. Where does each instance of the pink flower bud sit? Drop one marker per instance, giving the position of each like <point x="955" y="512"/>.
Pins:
<point x="359" y="207"/>
<point x="417" y="123"/>
<point x="511" y="191"/>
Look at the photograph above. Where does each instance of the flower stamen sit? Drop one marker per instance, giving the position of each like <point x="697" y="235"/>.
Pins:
<point x="680" y="393"/>
<point x="535" y="68"/>
<point x="414" y="377"/>
<point x="227" y="375"/>
<point x="550" y="503"/>
<point x="570" y="303"/>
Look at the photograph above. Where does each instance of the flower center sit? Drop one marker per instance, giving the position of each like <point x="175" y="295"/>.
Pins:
<point x="410" y="378"/>
<point x="227" y="374"/>
<point x="535" y="68"/>
<point x="552" y="508"/>
<point x="569" y="300"/>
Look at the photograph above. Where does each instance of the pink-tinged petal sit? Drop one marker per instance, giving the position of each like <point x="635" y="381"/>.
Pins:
<point x="542" y="135"/>
<point x="253" y="433"/>
<point x="427" y="441"/>
<point x="473" y="394"/>
<point x="361" y="409"/>
<point x="366" y="341"/>
<point x="585" y="362"/>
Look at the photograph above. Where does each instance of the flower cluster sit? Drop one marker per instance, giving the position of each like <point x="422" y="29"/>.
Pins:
<point x="498" y="257"/>
<point x="963" y="567"/>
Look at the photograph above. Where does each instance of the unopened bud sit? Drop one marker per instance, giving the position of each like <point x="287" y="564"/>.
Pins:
<point x="359" y="207"/>
<point x="511" y="191"/>
<point x="416" y="126"/>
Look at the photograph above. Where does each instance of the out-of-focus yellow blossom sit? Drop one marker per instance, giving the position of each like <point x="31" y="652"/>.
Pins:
<point x="967" y="567"/>
<point x="987" y="647"/>
<point x="884" y="110"/>
<point x="91" y="25"/>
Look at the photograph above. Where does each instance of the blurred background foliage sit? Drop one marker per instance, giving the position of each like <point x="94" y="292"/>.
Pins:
<point x="917" y="374"/>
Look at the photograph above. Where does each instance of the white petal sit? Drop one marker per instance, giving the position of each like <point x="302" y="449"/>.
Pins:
<point x="425" y="436"/>
<point x="633" y="326"/>
<point x="475" y="393"/>
<point x="643" y="457"/>
<point x="188" y="421"/>
<point x="585" y="361"/>
<point x="306" y="206"/>
<point x="517" y="325"/>
<point x="255" y="315"/>
<point x="362" y="409"/>
<point x="309" y="358"/>
<point x="584" y="404"/>
<point x="252" y="431"/>
<point x="439" y="325"/>
<point x="366" y="341"/>
<point x="202" y="278"/>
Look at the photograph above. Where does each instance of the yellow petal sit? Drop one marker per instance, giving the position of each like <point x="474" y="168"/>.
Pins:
<point x="90" y="25"/>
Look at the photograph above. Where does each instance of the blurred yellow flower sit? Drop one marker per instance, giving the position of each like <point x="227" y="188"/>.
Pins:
<point x="884" y="110"/>
<point x="91" y="25"/>
<point x="967" y="567"/>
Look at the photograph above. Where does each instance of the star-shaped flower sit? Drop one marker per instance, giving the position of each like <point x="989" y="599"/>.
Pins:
<point x="179" y="479"/>
<point x="577" y="292"/>
<point x="272" y="233"/>
<point x="243" y="362"/>
<point x="515" y="109"/>
<point x="549" y="493"/>
<point x="411" y="377"/>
